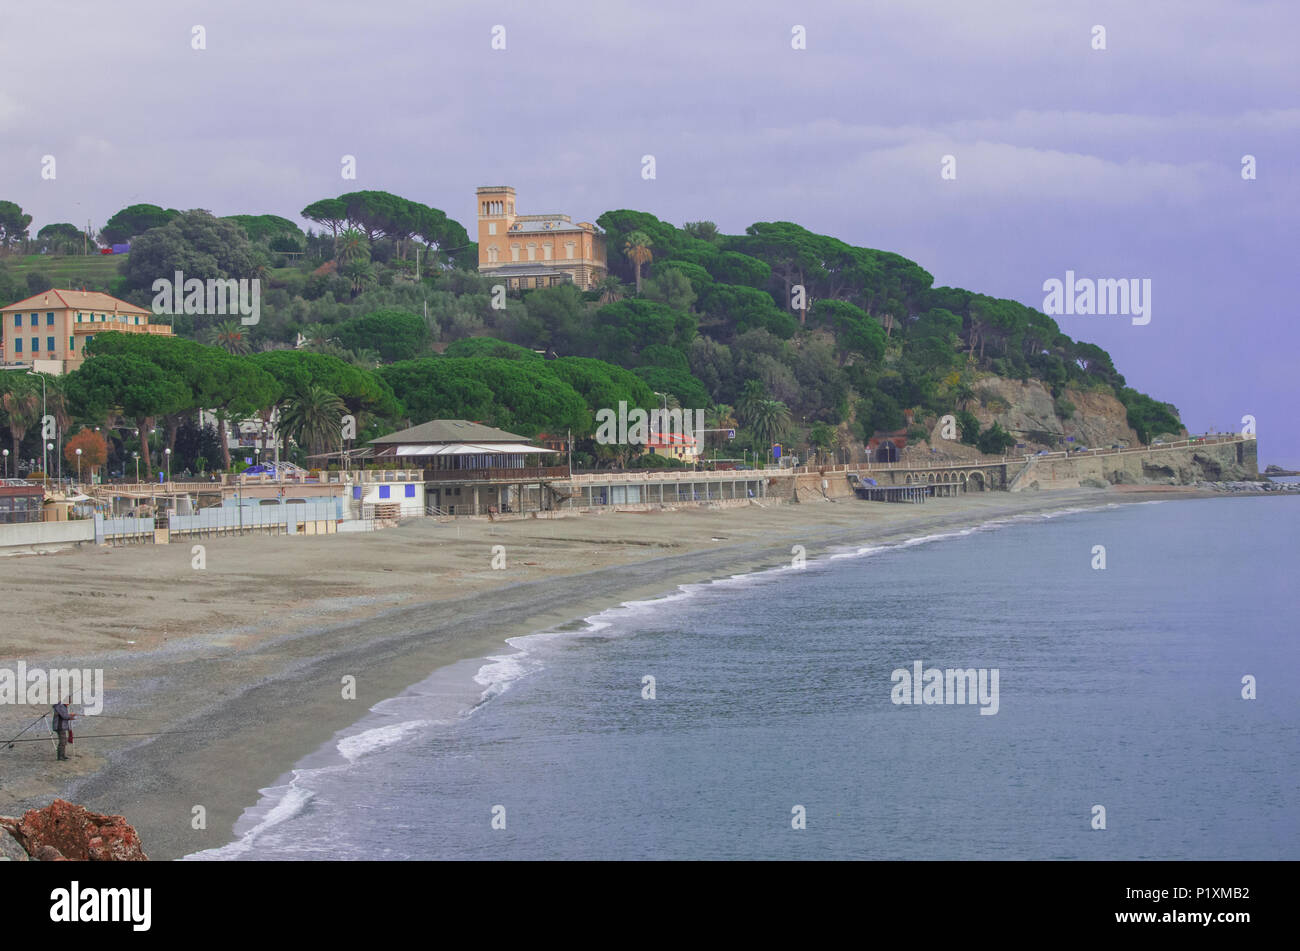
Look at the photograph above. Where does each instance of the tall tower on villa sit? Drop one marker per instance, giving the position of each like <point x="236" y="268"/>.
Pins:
<point x="529" y="251"/>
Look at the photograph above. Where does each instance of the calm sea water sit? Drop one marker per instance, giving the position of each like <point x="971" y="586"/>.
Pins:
<point x="1119" y="687"/>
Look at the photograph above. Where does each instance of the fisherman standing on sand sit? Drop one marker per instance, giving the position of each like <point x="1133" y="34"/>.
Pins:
<point x="63" y="725"/>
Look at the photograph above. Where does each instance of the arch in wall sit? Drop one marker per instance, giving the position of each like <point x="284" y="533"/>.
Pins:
<point x="977" y="482"/>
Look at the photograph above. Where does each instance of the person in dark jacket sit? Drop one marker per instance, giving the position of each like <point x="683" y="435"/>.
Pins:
<point x="63" y="725"/>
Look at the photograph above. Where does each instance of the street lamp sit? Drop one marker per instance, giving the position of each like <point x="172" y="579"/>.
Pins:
<point x="6" y="463"/>
<point x="78" y="465"/>
<point x="136" y="455"/>
<point x="168" y="453"/>
<point x="44" y="456"/>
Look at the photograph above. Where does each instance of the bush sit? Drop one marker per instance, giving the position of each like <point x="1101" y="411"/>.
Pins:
<point x="994" y="441"/>
<point x="1064" y="408"/>
<point x="969" y="427"/>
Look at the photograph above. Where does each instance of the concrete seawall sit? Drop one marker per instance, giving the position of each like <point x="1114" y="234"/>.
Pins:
<point x="1213" y="462"/>
<point x="25" y="538"/>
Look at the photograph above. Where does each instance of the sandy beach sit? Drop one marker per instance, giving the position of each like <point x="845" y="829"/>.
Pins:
<point x="240" y="663"/>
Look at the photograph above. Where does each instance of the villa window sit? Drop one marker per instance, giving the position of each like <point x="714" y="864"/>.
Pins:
<point x="546" y="251"/>
<point x="36" y="319"/>
<point x="492" y="227"/>
<point x="36" y="344"/>
<point x="49" y="320"/>
<point x="532" y="252"/>
<point x="18" y="345"/>
<point x="72" y="343"/>
<point x="18" y="320"/>
<point x="514" y="252"/>
<point x="568" y="250"/>
<point x="49" y="344"/>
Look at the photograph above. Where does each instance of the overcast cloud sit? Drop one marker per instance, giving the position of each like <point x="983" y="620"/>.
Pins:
<point x="1117" y="163"/>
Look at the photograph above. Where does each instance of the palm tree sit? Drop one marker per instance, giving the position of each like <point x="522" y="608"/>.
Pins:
<point x="751" y="394"/>
<point x="351" y="245"/>
<point x="314" y="334"/>
<point x="637" y="248"/>
<point x="359" y="273"/>
<point x="726" y="416"/>
<point x="611" y="289"/>
<point x="365" y="358"/>
<point x="20" y="403"/>
<point x="313" y="417"/>
<point x="704" y="230"/>
<point x="823" y="437"/>
<point x="770" y="420"/>
<point x="230" y="336"/>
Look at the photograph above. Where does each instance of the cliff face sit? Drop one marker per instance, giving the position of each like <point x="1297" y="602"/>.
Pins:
<point x="1099" y="419"/>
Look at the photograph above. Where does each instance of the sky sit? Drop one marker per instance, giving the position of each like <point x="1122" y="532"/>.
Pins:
<point x="1122" y="162"/>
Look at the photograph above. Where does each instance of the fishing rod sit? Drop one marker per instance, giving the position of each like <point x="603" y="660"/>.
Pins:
<point x="10" y="745"/>
<point x="96" y="736"/>
<point x="114" y="716"/>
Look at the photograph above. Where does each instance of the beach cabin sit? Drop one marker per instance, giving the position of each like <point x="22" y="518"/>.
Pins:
<point x="471" y="469"/>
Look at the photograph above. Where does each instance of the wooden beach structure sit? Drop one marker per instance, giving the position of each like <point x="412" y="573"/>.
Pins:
<point x="868" y="490"/>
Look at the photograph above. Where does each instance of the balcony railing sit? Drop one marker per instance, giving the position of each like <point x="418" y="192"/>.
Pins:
<point x="524" y="474"/>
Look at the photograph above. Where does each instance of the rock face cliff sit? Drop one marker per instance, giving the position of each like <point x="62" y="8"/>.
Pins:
<point x="64" y="831"/>
<point x="1025" y="410"/>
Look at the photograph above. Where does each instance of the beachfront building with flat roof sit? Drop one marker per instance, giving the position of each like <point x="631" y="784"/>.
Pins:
<point x="472" y="469"/>
<point x="49" y="331"/>
<point x="527" y="251"/>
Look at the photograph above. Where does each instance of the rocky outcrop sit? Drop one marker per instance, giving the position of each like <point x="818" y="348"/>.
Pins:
<point x="63" y="830"/>
<point x="10" y="849"/>
<point x="1097" y="419"/>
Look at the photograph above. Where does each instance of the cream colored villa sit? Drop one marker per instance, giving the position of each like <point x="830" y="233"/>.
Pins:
<point x="535" y="250"/>
<point x="49" y="331"/>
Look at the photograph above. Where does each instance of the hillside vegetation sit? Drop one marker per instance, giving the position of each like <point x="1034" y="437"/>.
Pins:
<point x="783" y="333"/>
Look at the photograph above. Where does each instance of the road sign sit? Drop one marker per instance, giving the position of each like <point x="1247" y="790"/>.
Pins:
<point x="776" y="450"/>
<point x="731" y="434"/>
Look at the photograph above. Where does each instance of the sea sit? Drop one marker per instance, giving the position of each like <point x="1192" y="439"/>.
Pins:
<point x="1147" y="706"/>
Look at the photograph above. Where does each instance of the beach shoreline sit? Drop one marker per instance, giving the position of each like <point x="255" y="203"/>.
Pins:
<point x="243" y="695"/>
